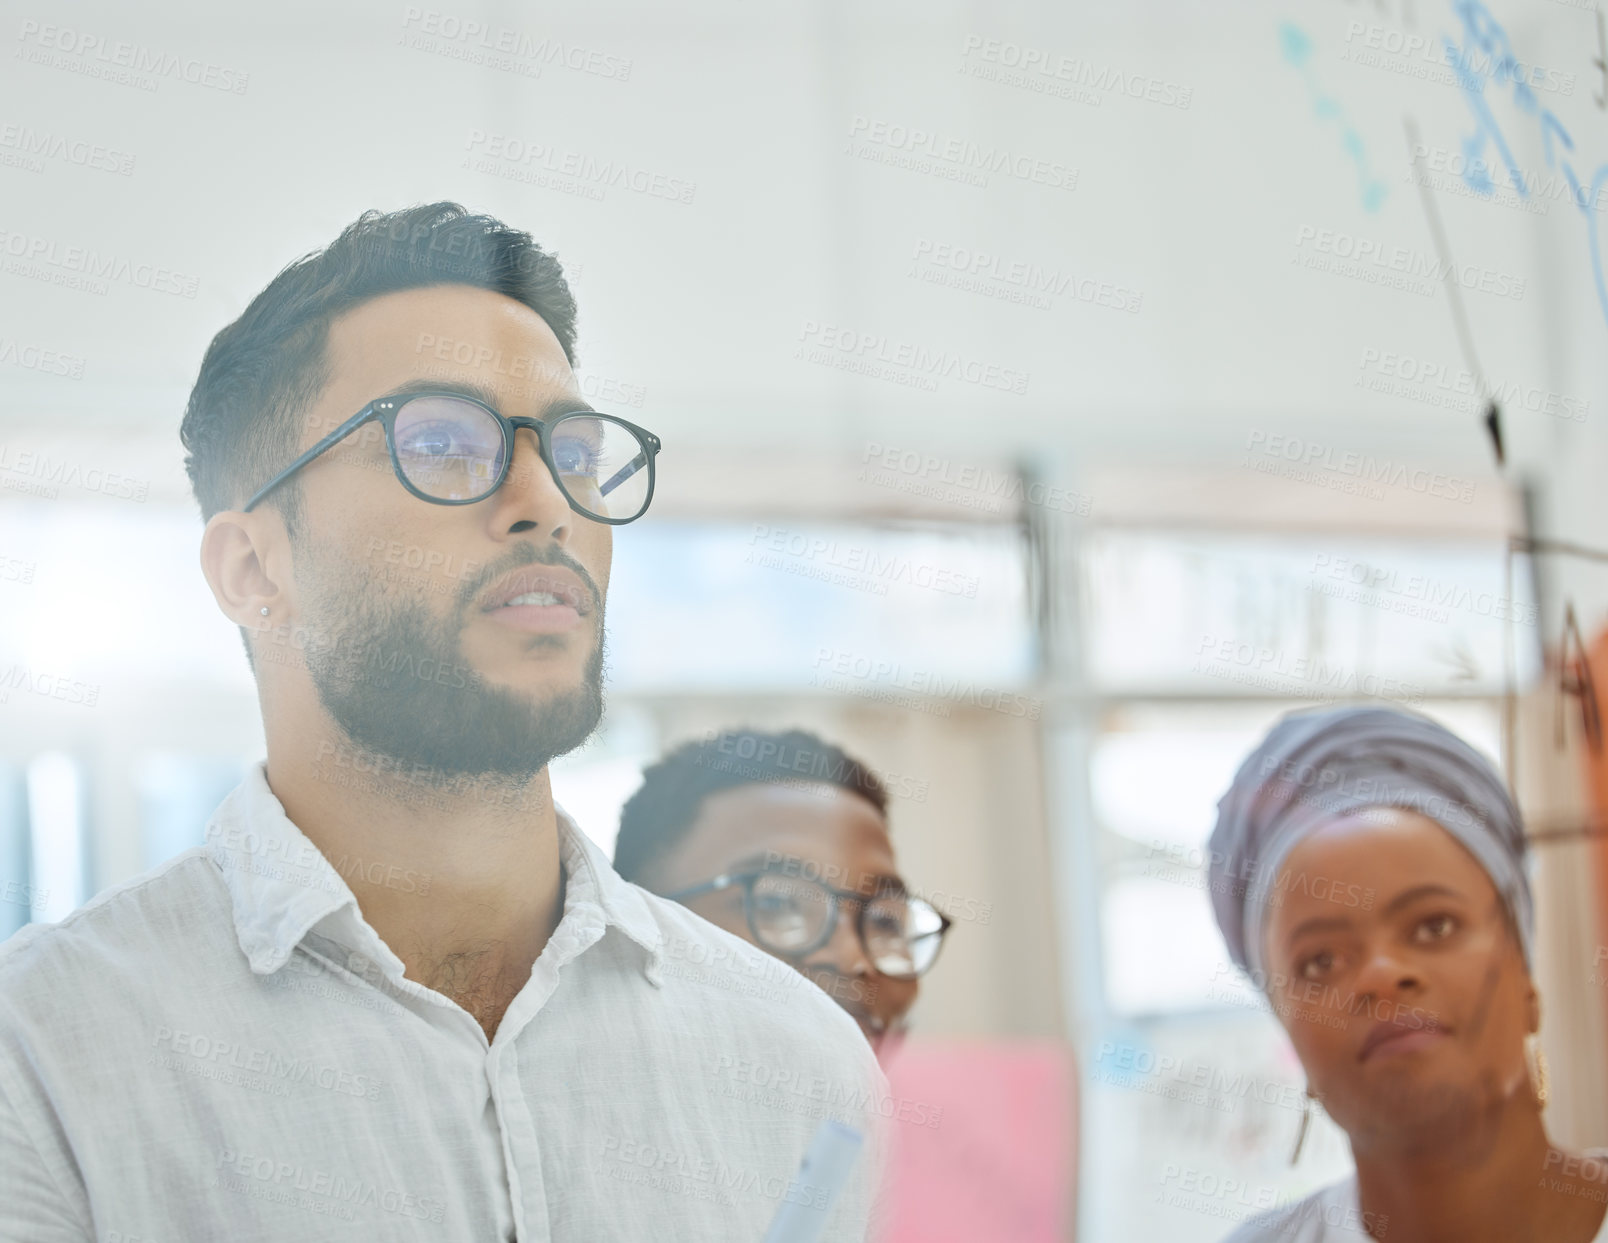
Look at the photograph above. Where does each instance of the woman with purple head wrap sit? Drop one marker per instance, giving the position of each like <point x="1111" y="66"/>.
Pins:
<point x="1368" y="872"/>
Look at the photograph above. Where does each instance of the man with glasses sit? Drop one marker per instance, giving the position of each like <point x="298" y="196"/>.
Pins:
<point x="783" y="839"/>
<point x="398" y="994"/>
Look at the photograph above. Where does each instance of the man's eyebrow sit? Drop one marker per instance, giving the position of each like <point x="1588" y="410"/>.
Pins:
<point x="562" y="404"/>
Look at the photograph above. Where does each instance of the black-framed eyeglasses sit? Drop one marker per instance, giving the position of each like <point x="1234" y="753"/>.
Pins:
<point x="792" y="917"/>
<point x="451" y="449"/>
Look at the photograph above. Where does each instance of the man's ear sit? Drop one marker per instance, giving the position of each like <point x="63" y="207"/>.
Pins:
<point x="246" y="560"/>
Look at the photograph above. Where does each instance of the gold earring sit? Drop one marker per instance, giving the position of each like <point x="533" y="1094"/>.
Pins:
<point x="1306" y="1121"/>
<point x="1537" y="1059"/>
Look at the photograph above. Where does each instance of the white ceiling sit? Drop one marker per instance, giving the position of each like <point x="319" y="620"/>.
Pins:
<point x="703" y="304"/>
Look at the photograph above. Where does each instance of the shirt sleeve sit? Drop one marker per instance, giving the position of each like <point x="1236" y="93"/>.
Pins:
<point x="44" y="1200"/>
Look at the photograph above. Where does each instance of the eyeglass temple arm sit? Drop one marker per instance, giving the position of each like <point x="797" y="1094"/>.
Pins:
<point x="329" y="442"/>
<point x="624" y="473"/>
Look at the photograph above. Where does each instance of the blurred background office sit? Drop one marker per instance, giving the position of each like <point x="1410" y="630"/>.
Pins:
<point x="1052" y="396"/>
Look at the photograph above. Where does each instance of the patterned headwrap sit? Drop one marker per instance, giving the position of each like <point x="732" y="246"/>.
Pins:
<point x="1315" y="766"/>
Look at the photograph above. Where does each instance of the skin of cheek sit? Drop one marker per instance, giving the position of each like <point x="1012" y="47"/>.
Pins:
<point x="369" y="504"/>
<point x="894" y="998"/>
<point x="1326" y="1024"/>
<point x="1463" y="1084"/>
<point x="352" y="498"/>
<point x="725" y="910"/>
<point x="889" y="998"/>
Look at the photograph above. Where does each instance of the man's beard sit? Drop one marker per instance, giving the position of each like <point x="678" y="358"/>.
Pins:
<point x="395" y="679"/>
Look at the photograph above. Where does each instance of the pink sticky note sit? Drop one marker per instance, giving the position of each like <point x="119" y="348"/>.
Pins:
<point x="984" y="1142"/>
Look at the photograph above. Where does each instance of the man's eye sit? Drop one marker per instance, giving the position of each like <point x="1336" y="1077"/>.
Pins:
<point x="430" y="440"/>
<point x="575" y="460"/>
<point x="576" y="453"/>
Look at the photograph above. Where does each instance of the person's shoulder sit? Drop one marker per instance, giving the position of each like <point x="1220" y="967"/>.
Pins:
<point x="123" y="933"/>
<point x="1328" y="1214"/>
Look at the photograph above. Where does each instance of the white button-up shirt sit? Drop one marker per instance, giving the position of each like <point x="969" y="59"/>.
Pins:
<point x="223" y="1048"/>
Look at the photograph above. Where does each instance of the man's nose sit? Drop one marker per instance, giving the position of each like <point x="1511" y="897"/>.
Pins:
<point x="530" y="498"/>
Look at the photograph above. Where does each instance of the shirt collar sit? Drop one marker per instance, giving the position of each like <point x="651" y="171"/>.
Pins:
<point x="589" y="878"/>
<point x="280" y="885"/>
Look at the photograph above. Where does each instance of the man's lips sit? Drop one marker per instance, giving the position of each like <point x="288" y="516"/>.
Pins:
<point x="1390" y="1039"/>
<point x="539" y="580"/>
<point x="538" y="599"/>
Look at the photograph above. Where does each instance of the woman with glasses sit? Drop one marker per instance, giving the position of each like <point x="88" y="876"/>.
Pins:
<point x="1367" y="871"/>
<point x="783" y="839"/>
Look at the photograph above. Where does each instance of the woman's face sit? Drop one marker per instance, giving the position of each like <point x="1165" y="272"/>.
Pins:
<point x="815" y="831"/>
<point x="1393" y="968"/>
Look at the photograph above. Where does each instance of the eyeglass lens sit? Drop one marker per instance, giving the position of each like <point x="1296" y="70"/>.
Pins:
<point x="453" y="449"/>
<point x="790" y="917"/>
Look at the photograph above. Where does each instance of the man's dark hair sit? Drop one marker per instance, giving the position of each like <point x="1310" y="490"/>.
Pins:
<point x="263" y="370"/>
<point x="656" y="818"/>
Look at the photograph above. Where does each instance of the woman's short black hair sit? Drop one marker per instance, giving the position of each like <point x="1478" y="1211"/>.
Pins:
<point x="657" y="817"/>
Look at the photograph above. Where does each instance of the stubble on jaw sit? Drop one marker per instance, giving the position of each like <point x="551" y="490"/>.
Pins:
<point x="395" y="680"/>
